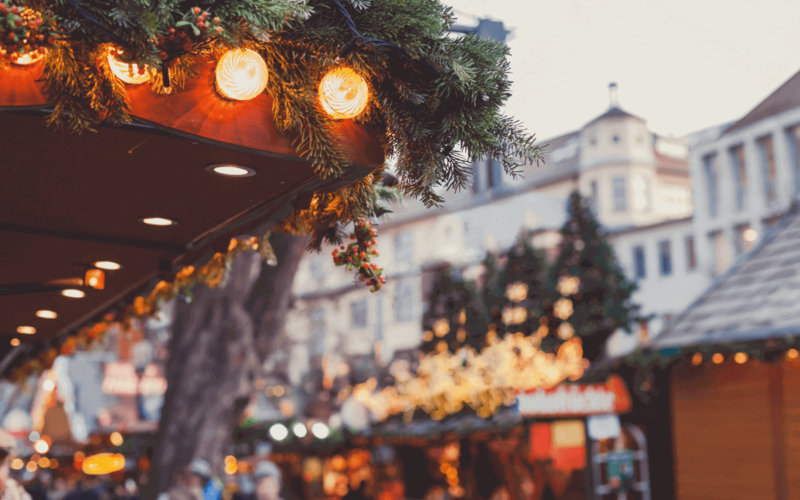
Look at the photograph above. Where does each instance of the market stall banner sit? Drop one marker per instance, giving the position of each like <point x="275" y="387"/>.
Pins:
<point x="611" y="397"/>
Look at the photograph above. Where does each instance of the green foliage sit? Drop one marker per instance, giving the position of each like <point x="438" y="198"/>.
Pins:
<point x="603" y="302"/>
<point x="454" y="316"/>
<point x="435" y="123"/>
<point x="521" y="293"/>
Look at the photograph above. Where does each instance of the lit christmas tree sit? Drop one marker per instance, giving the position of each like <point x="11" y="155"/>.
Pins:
<point x="454" y="317"/>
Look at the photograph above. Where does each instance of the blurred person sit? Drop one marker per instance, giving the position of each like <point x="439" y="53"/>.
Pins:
<point x="269" y="481"/>
<point x="9" y="489"/>
<point x="86" y="489"/>
<point x="40" y="486"/>
<point x="192" y="483"/>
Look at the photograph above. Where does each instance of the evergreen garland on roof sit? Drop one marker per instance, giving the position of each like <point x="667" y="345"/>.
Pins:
<point x="436" y="100"/>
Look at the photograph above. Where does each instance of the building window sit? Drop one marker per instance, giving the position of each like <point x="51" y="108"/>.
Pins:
<point x="691" y="258"/>
<point x="639" y="268"/>
<point x="316" y="267"/>
<point x="793" y="136"/>
<point x="720" y="252"/>
<point x="620" y="196"/>
<point x="712" y="180"/>
<point x="739" y="176"/>
<point x="615" y="139"/>
<point x="317" y="330"/>
<point x="594" y="201"/>
<point x="665" y="258"/>
<point x="494" y="174"/>
<point x="767" y="154"/>
<point x="404" y="247"/>
<point x="404" y="301"/>
<point x="358" y="314"/>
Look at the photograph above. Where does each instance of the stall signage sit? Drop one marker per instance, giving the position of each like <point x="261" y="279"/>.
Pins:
<point x="576" y="400"/>
<point x="121" y="380"/>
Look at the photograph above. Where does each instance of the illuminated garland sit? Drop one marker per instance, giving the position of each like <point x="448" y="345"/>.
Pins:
<point x="211" y="274"/>
<point x="446" y="383"/>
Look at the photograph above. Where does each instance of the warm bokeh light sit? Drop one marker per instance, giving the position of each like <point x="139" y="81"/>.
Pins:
<point x="299" y="430"/>
<point x="158" y="221"/>
<point x="41" y="446"/>
<point x="26" y="330"/>
<point x="116" y="439"/>
<point x="740" y="358"/>
<point x="320" y="430"/>
<point x="31" y="467"/>
<point x="95" y="278"/>
<point x="717" y="358"/>
<point x="568" y="285"/>
<point x="697" y="358"/>
<point x="241" y="75"/>
<point x="44" y="463"/>
<point x="79" y="456"/>
<point x="792" y="354"/>
<point x="54" y="463"/>
<point x="278" y="432"/>
<point x="17" y="464"/>
<point x="48" y="385"/>
<point x="45" y="314"/>
<point x="73" y="293"/>
<point x="128" y="72"/>
<point x="343" y="93"/>
<point x="103" y="463"/>
<point x="277" y="391"/>
<point x="231" y="468"/>
<point x="232" y="171"/>
<point x="14" y="342"/>
<point x="28" y="58"/>
<point x="107" y="265"/>
<point x="230" y="459"/>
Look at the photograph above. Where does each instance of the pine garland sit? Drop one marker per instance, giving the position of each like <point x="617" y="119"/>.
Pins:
<point x="435" y="100"/>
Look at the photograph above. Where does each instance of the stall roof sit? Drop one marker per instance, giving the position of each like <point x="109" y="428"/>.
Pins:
<point x="757" y="299"/>
<point x="68" y="200"/>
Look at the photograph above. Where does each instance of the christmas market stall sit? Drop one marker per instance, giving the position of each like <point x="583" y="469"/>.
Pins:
<point x="734" y="377"/>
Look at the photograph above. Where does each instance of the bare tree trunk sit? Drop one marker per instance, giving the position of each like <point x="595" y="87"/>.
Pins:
<point x="214" y="357"/>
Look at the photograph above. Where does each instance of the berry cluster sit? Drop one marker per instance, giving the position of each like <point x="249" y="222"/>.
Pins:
<point x="195" y="27"/>
<point x="23" y="32"/>
<point x="357" y="255"/>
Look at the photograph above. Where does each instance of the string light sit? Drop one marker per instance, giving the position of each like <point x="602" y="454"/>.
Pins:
<point x="343" y="93"/>
<point x="116" y="439"/>
<point x="740" y="358"/>
<point x="717" y="358"/>
<point x="792" y="354"/>
<point x="28" y="58"/>
<point x="241" y="75"/>
<point x="127" y="72"/>
<point x="697" y="359"/>
<point x="41" y="446"/>
<point x="278" y="432"/>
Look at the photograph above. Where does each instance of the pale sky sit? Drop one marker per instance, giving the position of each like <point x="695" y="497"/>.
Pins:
<point x="682" y="65"/>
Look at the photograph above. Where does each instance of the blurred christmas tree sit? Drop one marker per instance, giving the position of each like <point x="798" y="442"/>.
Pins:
<point x="592" y="297"/>
<point x="455" y="316"/>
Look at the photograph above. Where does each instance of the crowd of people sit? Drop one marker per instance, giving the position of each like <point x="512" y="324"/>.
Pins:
<point x="193" y="482"/>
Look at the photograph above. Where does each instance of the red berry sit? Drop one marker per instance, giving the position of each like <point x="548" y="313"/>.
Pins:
<point x="374" y="266"/>
<point x="363" y="279"/>
<point x="200" y="24"/>
<point x="196" y="10"/>
<point x="217" y="20"/>
<point x="41" y="50"/>
<point x="141" y="70"/>
<point x="205" y="13"/>
<point x="163" y="55"/>
<point x="219" y="29"/>
<point x="382" y="279"/>
<point x="172" y="30"/>
<point x="207" y="24"/>
<point x="362" y="255"/>
<point x="342" y="247"/>
<point x="2" y="6"/>
<point x="39" y="21"/>
<point x="51" y="40"/>
<point x="15" y="10"/>
<point x="375" y="252"/>
<point x="349" y="259"/>
<point x="187" y="46"/>
<point x="352" y="236"/>
<point x="18" y="22"/>
<point x="40" y="38"/>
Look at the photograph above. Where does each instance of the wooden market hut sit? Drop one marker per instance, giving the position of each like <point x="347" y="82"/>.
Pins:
<point x="735" y="387"/>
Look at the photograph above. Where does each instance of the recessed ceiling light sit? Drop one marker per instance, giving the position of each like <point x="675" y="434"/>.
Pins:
<point x="73" y="293"/>
<point x="15" y="342"/>
<point x="107" y="265"/>
<point x="229" y="170"/>
<point x="44" y="313"/>
<point x="26" y="330"/>
<point x="158" y="221"/>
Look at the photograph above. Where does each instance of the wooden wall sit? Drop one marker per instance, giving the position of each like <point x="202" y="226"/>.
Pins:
<point x="724" y="428"/>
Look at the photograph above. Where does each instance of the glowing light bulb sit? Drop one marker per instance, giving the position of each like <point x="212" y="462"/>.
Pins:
<point x="320" y="430"/>
<point x="48" y="385"/>
<point x="41" y="446"/>
<point x="28" y="58"/>
<point x="116" y="438"/>
<point x="46" y="314"/>
<point x="299" y="430"/>
<point x="278" y="432"/>
<point x="107" y="265"/>
<point x="158" y="221"/>
<point x="26" y="330"/>
<point x="95" y="278"/>
<point x="103" y="463"/>
<point x="343" y="93"/>
<point x="128" y="72"/>
<point x="241" y="75"/>
<point x="717" y="358"/>
<point x="14" y="342"/>
<point x="73" y="293"/>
